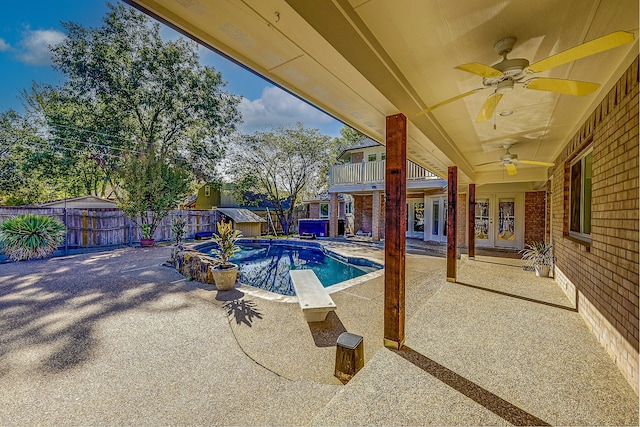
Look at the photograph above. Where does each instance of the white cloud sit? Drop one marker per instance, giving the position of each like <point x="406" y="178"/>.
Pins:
<point x="34" y="46"/>
<point x="278" y="108"/>
<point x="4" y="46"/>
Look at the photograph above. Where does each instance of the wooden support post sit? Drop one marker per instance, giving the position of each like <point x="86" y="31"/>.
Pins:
<point x="395" y="231"/>
<point x="472" y="221"/>
<point x="452" y="225"/>
<point x="333" y="214"/>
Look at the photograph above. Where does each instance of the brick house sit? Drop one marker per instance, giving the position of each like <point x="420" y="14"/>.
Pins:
<point x="418" y="76"/>
<point x="505" y="218"/>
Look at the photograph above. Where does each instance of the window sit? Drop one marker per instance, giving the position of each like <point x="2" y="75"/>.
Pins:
<point x="348" y="208"/>
<point x="207" y="190"/>
<point x="372" y="157"/>
<point x="383" y="156"/>
<point x="580" y="196"/>
<point x="324" y="210"/>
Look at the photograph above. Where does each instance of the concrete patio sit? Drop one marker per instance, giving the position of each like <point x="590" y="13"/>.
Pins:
<point x="115" y="338"/>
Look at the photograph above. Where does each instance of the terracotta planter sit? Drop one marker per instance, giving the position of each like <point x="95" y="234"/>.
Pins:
<point x="145" y="243"/>
<point x="225" y="278"/>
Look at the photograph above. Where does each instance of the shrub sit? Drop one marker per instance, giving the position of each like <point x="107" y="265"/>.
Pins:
<point x="29" y="236"/>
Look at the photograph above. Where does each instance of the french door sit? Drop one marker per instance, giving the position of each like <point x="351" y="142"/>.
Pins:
<point x="437" y="223"/>
<point x="415" y="218"/>
<point x="499" y="221"/>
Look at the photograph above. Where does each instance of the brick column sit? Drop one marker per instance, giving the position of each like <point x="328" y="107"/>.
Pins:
<point x="376" y="207"/>
<point x="333" y="214"/>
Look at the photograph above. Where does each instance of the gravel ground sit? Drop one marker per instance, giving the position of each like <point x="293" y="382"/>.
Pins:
<point x="116" y="339"/>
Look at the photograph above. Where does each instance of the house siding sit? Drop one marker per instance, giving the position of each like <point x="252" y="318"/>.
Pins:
<point x="603" y="275"/>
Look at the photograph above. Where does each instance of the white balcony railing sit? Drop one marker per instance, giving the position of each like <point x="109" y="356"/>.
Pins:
<point x="372" y="172"/>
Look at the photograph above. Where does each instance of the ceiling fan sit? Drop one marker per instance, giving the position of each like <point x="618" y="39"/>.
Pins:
<point x="510" y="160"/>
<point x="502" y="77"/>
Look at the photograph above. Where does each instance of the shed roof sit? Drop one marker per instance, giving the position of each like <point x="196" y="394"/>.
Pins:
<point x="241" y="215"/>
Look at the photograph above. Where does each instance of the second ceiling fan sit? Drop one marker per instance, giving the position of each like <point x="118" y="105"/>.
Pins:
<point x="510" y="160"/>
<point x="502" y="77"/>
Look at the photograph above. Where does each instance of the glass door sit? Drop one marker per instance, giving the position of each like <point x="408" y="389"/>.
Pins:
<point x="506" y="232"/>
<point x="483" y="223"/>
<point x="418" y="219"/>
<point x="415" y="219"/>
<point x="438" y="220"/>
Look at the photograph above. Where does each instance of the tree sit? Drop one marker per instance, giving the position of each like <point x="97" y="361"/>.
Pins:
<point x="350" y="137"/>
<point x="127" y="93"/>
<point x="284" y="164"/>
<point x="151" y="189"/>
<point x="25" y="163"/>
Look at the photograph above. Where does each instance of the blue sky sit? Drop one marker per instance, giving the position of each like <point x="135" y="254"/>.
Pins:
<point x="26" y="29"/>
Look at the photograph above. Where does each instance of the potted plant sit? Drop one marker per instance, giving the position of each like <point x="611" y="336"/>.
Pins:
<point x="146" y="240"/>
<point x="178" y="229"/>
<point x="540" y="255"/>
<point x="225" y="273"/>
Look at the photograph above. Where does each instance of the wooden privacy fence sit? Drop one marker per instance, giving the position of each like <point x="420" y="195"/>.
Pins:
<point x="95" y="228"/>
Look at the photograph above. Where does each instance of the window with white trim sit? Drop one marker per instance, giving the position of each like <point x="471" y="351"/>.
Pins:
<point x="348" y="208"/>
<point x="580" y="173"/>
<point x="324" y="210"/>
<point x="372" y="157"/>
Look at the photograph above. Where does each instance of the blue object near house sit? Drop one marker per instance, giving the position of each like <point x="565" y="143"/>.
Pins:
<point x="203" y="235"/>
<point x="319" y="227"/>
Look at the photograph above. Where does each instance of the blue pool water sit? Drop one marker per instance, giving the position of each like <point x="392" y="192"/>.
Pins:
<point x="266" y="266"/>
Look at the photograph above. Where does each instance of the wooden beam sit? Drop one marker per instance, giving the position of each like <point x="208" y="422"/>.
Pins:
<point x="452" y="223"/>
<point x="472" y="221"/>
<point x="395" y="231"/>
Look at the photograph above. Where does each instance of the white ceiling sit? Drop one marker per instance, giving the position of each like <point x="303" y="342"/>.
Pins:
<point x="361" y="60"/>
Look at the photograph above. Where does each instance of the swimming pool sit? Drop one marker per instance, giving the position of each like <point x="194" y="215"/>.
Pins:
<point x="266" y="265"/>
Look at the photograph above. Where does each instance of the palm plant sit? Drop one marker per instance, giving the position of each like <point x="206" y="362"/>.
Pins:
<point x="30" y="236"/>
<point x="540" y="255"/>
<point x="226" y="239"/>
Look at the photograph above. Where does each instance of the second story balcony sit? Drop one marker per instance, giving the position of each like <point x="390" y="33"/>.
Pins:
<point x="365" y="176"/>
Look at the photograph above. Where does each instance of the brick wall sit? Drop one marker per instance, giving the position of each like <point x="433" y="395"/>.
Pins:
<point x="604" y="273"/>
<point x="314" y="210"/>
<point x="534" y="213"/>
<point x="461" y="219"/>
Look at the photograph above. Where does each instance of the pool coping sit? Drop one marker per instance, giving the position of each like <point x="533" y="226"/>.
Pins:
<point x="273" y="296"/>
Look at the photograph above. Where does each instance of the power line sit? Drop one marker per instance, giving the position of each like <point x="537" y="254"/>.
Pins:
<point x="93" y="144"/>
<point x="86" y="130"/>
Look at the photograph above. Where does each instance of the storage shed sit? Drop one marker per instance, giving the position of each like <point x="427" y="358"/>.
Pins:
<point x="244" y="220"/>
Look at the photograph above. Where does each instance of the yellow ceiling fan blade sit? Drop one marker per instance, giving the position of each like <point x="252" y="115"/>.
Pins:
<point x="447" y="101"/>
<point x="566" y="87"/>
<point x="598" y="45"/>
<point x="479" y="69"/>
<point x="511" y="169"/>
<point x="537" y="163"/>
<point x="488" y="107"/>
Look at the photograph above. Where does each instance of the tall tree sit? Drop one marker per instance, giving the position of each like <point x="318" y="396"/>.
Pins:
<point x="350" y="137"/>
<point x="284" y="165"/>
<point x="128" y="96"/>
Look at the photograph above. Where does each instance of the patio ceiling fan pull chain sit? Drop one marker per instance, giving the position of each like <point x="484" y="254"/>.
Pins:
<point x="495" y="101"/>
